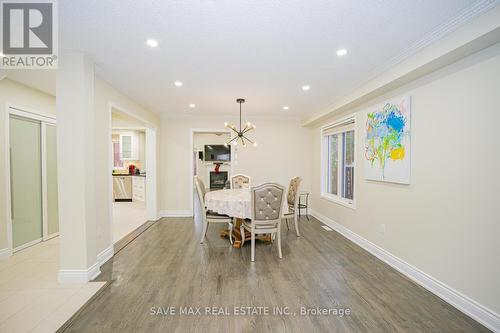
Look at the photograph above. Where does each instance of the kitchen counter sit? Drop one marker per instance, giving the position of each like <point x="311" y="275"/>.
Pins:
<point x="128" y="174"/>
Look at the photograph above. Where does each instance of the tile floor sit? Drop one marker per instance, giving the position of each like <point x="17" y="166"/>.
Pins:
<point x="31" y="299"/>
<point x="127" y="216"/>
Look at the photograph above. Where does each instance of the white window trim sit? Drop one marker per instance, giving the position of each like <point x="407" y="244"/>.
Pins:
<point x="338" y="199"/>
<point x="123" y="168"/>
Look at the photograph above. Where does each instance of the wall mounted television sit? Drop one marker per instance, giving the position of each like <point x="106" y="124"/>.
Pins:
<point x="217" y="153"/>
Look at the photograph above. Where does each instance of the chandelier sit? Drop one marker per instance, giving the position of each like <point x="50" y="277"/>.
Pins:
<point x="240" y="134"/>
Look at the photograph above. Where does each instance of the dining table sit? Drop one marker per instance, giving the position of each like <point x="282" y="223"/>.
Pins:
<point x="236" y="203"/>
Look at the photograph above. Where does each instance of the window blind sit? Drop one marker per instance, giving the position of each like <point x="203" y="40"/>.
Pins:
<point x="344" y="126"/>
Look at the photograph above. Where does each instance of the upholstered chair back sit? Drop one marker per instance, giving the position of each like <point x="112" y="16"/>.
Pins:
<point x="267" y="202"/>
<point x="293" y="191"/>
<point x="240" y="181"/>
<point x="200" y="189"/>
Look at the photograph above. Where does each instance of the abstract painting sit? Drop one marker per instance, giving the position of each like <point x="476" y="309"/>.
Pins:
<point x="387" y="142"/>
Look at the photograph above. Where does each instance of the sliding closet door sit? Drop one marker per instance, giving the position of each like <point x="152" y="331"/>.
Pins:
<point x="26" y="180"/>
<point x="51" y="172"/>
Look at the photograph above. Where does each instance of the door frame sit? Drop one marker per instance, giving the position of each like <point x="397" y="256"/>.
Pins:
<point x="46" y="235"/>
<point x="192" y="132"/>
<point x="151" y="160"/>
<point x="43" y="118"/>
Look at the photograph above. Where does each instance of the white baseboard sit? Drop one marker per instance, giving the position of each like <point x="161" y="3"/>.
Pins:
<point x="5" y="253"/>
<point x="175" y="213"/>
<point x="79" y="275"/>
<point x="478" y="312"/>
<point x="25" y="246"/>
<point x="105" y="255"/>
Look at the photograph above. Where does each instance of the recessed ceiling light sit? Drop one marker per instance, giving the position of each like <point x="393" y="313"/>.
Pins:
<point x="306" y="88"/>
<point x="152" y="43"/>
<point x="178" y="83"/>
<point x="192" y="105"/>
<point x="285" y="107"/>
<point x="341" y="52"/>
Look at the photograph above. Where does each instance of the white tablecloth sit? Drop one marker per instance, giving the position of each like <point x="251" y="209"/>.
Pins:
<point x="235" y="203"/>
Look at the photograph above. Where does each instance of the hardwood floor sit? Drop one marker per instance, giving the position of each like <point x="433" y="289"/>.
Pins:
<point x="165" y="266"/>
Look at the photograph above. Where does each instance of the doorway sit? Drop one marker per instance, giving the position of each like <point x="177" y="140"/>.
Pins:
<point x="32" y="172"/>
<point x="211" y="161"/>
<point x="133" y="172"/>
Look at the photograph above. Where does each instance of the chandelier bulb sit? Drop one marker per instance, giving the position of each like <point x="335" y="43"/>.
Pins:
<point x="225" y="144"/>
<point x="225" y="124"/>
<point x="254" y="126"/>
<point x="255" y="144"/>
<point x="235" y="143"/>
<point x="249" y="124"/>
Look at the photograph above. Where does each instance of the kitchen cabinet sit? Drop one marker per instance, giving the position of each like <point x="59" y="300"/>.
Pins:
<point x="129" y="146"/>
<point x="122" y="188"/>
<point x="138" y="188"/>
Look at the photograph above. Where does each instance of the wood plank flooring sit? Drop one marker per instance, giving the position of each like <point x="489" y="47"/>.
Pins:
<point x="165" y="266"/>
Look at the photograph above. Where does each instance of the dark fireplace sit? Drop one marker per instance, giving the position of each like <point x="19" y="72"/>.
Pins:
<point x="218" y="180"/>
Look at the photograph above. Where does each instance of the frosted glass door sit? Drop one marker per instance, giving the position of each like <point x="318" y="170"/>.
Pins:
<point x="26" y="180"/>
<point x="51" y="167"/>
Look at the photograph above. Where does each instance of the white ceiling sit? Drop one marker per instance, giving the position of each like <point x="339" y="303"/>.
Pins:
<point x="260" y="50"/>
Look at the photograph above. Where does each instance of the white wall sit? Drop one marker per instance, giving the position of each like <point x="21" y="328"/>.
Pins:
<point x="283" y="152"/>
<point x="446" y="223"/>
<point x="22" y="96"/>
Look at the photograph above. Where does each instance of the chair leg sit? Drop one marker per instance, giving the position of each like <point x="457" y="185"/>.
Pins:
<point x="230" y="233"/>
<point x="278" y="241"/>
<point x="242" y="233"/>
<point x="296" y="220"/>
<point x="287" y="225"/>
<point x="204" y="232"/>
<point x="253" y="247"/>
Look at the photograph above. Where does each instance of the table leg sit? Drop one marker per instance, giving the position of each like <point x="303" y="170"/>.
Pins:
<point x="307" y="206"/>
<point x="299" y="205"/>
<point x="237" y="240"/>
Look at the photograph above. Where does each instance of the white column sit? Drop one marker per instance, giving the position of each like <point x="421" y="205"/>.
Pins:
<point x="76" y="168"/>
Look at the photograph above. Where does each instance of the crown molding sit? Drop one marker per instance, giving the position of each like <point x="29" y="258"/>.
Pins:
<point x="465" y="16"/>
<point x="448" y="43"/>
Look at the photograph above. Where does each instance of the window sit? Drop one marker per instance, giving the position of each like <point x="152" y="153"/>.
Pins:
<point x="117" y="161"/>
<point x="338" y="162"/>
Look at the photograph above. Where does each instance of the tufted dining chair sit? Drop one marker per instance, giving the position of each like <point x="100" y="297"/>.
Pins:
<point x="240" y="181"/>
<point x="293" y="203"/>
<point x="208" y="216"/>
<point x="266" y="212"/>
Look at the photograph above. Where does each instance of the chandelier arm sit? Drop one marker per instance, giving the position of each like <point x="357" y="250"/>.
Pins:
<point x="244" y="130"/>
<point x="248" y="139"/>
<point x="234" y="130"/>
<point x="229" y="142"/>
<point x="249" y="129"/>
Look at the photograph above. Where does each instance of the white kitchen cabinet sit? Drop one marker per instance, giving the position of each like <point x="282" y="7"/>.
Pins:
<point x="129" y="146"/>
<point x="138" y="188"/>
<point x="122" y="188"/>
